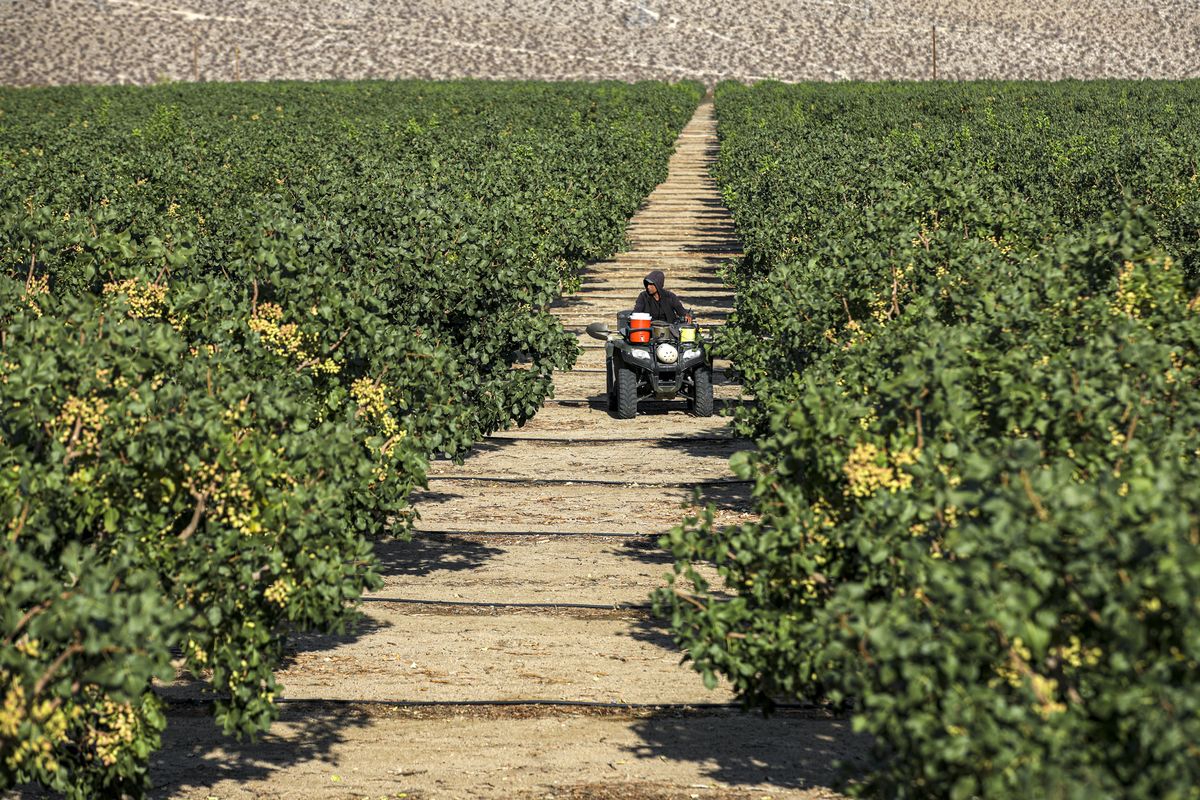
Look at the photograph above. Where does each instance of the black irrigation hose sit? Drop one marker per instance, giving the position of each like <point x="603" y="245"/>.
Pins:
<point x="711" y="279"/>
<point x="708" y="274"/>
<point x="602" y="370"/>
<point x="704" y="270"/>
<point x="554" y="704"/>
<point x="620" y="290"/>
<point x="590" y="481"/>
<point x="649" y="401"/>
<point x="482" y="604"/>
<point x="601" y="403"/>
<point x="646" y="257"/>
<point x="183" y="702"/>
<point x="705" y="325"/>
<point x="610" y="440"/>
<point x="548" y="534"/>
<point x="683" y="251"/>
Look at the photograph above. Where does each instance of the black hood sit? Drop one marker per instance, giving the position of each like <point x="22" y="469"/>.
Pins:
<point x="656" y="277"/>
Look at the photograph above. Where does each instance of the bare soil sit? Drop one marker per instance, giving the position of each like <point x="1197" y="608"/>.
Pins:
<point x="678" y="459"/>
<point x="555" y="423"/>
<point x="571" y="570"/>
<point x="463" y="505"/>
<point x="512" y="652"/>
<point x="364" y="752"/>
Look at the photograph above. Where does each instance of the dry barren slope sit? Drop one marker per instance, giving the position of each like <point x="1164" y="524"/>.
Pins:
<point x="141" y="41"/>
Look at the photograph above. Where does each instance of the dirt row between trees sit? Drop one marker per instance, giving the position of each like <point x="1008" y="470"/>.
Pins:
<point x="487" y="664"/>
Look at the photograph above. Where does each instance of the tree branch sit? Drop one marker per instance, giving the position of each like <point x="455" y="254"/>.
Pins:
<point x="1132" y="428"/>
<point x="20" y="521"/>
<point x="74" y="437"/>
<point x="312" y="361"/>
<point x="28" y="615"/>
<point x="54" y="667"/>
<point x="197" y="513"/>
<point x="1033" y="498"/>
<point x="690" y="599"/>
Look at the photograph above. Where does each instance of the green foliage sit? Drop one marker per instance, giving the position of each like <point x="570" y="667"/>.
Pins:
<point x="237" y="322"/>
<point x="978" y="431"/>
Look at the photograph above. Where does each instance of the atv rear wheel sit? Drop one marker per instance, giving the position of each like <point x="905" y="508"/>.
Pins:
<point x="626" y="392"/>
<point x="702" y="399"/>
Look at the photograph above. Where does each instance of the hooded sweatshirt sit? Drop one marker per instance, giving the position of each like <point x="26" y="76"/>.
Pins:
<point x="667" y="307"/>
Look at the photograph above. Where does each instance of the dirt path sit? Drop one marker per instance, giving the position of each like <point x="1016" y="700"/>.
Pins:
<point x="528" y="588"/>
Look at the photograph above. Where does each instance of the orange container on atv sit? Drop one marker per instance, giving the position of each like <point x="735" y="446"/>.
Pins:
<point x="639" y="328"/>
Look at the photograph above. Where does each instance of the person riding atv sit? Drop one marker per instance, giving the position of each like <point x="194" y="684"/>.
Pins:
<point x="657" y="352"/>
<point x="658" y="302"/>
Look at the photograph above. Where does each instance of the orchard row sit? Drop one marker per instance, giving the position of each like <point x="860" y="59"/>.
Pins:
<point x="969" y="314"/>
<point x="237" y="322"/>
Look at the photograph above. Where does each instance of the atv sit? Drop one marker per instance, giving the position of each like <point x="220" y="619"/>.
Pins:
<point x="648" y="358"/>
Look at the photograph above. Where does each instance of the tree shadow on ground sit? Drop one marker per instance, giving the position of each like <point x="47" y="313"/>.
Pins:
<point x="360" y="626"/>
<point x="722" y="496"/>
<point x="652" y="407"/>
<point x="424" y="554"/>
<point x="428" y="553"/>
<point x="654" y="631"/>
<point x="786" y="750"/>
<point x="646" y="550"/>
<point x="196" y="756"/>
<point x="431" y="497"/>
<point x="716" y="203"/>
<point x="730" y="245"/>
<point x="716" y="444"/>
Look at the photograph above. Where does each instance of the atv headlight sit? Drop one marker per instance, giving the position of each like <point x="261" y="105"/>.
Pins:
<point x="667" y="353"/>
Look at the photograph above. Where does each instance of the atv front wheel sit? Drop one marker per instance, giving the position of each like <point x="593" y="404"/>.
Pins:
<point x="626" y="393"/>
<point x="702" y="400"/>
<point x="610" y="385"/>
